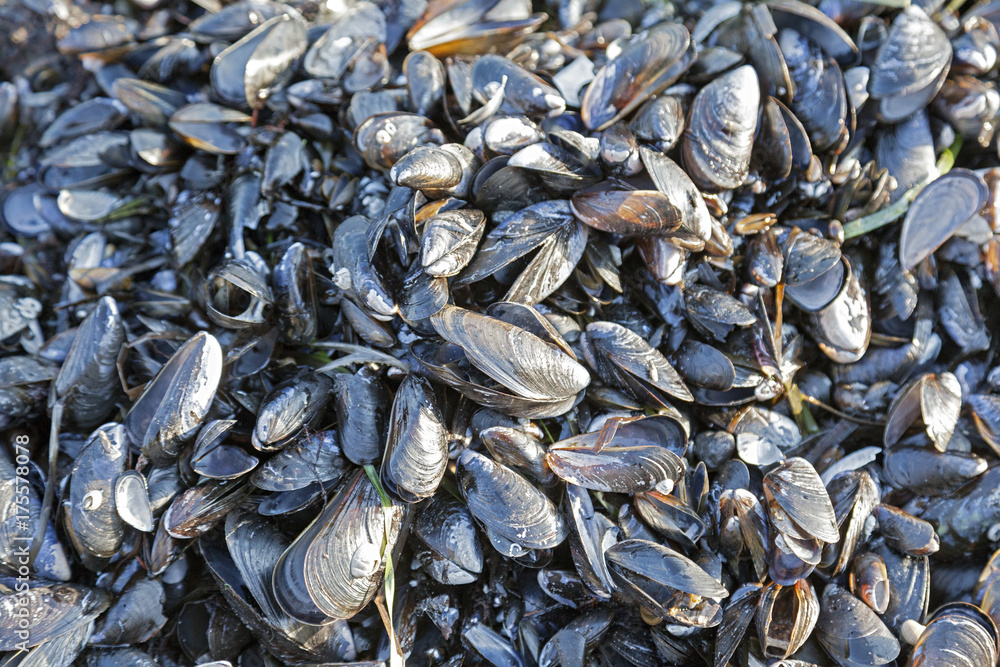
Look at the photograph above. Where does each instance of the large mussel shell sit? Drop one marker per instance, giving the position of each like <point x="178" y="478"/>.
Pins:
<point x="334" y="567"/>
<point x="651" y="575"/>
<point x="642" y="70"/>
<point x="721" y="126"/>
<point x="416" y="453"/>
<point x="449" y="241"/>
<point x="957" y="635"/>
<point x="508" y="505"/>
<point x="519" y="360"/>
<point x="362" y="404"/>
<point x="912" y="59"/>
<point x="55" y="610"/>
<point x="627" y="212"/>
<point x="936" y="398"/>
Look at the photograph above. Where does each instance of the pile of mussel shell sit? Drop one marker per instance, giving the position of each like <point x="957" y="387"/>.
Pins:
<point x="483" y="332"/>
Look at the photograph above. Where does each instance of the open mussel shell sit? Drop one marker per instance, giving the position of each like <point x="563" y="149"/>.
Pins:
<point x="56" y="609"/>
<point x="642" y="70"/>
<point x="91" y="515"/>
<point x="416" y="453"/>
<point x="247" y="72"/>
<point x="797" y="489"/>
<point x="843" y="328"/>
<point x="934" y="397"/>
<point x="334" y="567"/>
<point x="941" y="208"/>
<point x="507" y="505"/>
<point x="786" y="616"/>
<point x="671" y="517"/>
<point x="448" y="364"/>
<point x="717" y="146"/>
<point x="637" y="457"/>
<point x="464" y="27"/>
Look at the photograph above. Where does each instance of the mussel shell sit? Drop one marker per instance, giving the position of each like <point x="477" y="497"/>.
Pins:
<point x="449" y="241"/>
<point x="651" y="573"/>
<point x="172" y="406"/>
<point x="445" y="526"/>
<point x="249" y="70"/>
<point x="289" y="407"/>
<point x="508" y="505"/>
<point x="622" y="357"/>
<point x="311" y="457"/>
<point x="87" y="384"/>
<point x="912" y="56"/>
<point x="416" y="452"/>
<point x="631" y="213"/>
<point x="843" y="328"/>
<point x="721" y="126"/>
<point x="92" y="519"/>
<point x="384" y="138"/>
<point x="642" y="70"/>
<point x="850" y="630"/>
<point x="525" y="92"/>
<point x="636" y="458"/>
<point x="796" y="487"/>
<point x="362" y="404"/>
<point x="334" y="567"/>
<point x="779" y="635"/>
<point x="940" y="208"/>
<point x="512" y="356"/>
